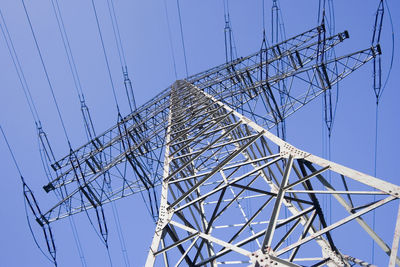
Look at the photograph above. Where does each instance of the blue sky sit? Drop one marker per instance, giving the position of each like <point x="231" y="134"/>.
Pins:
<point x="144" y="33"/>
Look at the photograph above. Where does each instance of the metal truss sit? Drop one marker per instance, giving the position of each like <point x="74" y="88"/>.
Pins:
<point x="129" y="157"/>
<point x="218" y="163"/>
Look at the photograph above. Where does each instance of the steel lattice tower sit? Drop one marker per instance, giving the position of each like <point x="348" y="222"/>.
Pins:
<point x="205" y="142"/>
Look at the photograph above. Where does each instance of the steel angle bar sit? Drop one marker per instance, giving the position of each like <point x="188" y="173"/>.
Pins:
<point x="278" y="202"/>
<point x="220" y="187"/>
<point x="306" y="178"/>
<point x="395" y="244"/>
<point x="53" y="183"/>
<point x="365" y="179"/>
<point x="201" y="133"/>
<point x="242" y="75"/>
<point x="358" y="261"/>
<point x="187" y="251"/>
<point x="334" y="225"/>
<point x="202" y="151"/>
<point x="232" y="166"/>
<point x="212" y="239"/>
<point x="349" y="208"/>
<point x="337" y="192"/>
<point x="216" y="169"/>
<point x="293" y="43"/>
<point x="80" y="152"/>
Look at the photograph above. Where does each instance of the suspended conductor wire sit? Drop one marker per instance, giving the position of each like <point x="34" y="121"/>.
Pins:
<point x="263" y="14"/>
<point x="105" y="55"/>
<point x="281" y="24"/>
<point x="117" y="35"/>
<point x="393" y="43"/>
<point x="101" y="237"/>
<point x="119" y="230"/>
<point x="18" y="68"/>
<point x="77" y="240"/>
<point x="22" y="179"/>
<point x="46" y="73"/>
<point x="71" y="62"/>
<point x="121" y="55"/>
<point x="11" y="151"/>
<point x="36" y="118"/>
<point x="230" y="44"/>
<point x="182" y="37"/>
<point x="379" y="90"/>
<point x="170" y="39"/>
<point x="67" y="47"/>
<point x="264" y="43"/>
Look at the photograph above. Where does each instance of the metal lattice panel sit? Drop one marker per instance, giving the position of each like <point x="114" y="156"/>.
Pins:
<point x="218" y="162"/>
<point x="95" y="173"/>
<point x="225" y="180"/>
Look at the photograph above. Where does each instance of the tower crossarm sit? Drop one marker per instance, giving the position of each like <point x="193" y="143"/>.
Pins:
<point x="137" y="142"/>
<point x="258" y="98"/>
<point x="274" y="51"/>
<point x="137" y="123"/>
<point x="272" y="60"/>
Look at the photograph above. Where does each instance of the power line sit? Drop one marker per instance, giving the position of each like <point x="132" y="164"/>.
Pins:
<point x="26" y="190"/>
<point x="230" y="47"/>
<point x="11" y="151"/>
<point x="182" y="38"/>
<point x="105" y="56"/>
<point x="88" y="125"/>
<point x="121" y="54"/>
<point x="46" y="73"/>
<point x="18" y="68"/>
<point x="170" y="39"/>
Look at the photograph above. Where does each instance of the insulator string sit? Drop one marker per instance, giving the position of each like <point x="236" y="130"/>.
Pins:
<point x="46" y="73"/>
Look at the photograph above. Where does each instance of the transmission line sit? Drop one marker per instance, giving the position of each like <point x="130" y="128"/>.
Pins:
<point x="87" y="120"/>
<point x="230" y="47"/>
<point x="182" y="37"/>
<point x="121" y="55"/>
<point x="105" y="57"/>
<point x="46" y="145"/>
<point x="27" y="191"/>
<point x="377" y="86"/>
<point x="170" y="39"/>
<point x="46" y="73"/>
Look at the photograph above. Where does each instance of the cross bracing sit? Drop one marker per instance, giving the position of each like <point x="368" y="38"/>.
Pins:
<point x="248" y="85"/>
<point x="204" y="143"/>
<point x="228" y="162"/>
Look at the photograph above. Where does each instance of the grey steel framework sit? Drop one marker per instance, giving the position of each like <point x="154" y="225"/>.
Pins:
<point x="205" y="142"/>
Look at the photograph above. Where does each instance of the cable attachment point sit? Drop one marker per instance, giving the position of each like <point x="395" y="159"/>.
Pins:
<point x="41" y="220"/>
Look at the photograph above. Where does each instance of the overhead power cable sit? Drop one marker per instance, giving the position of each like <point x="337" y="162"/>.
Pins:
<point x="182" y="37"/>
<point x="230" y="47"/>
<point x="170" y="39"/>
<point x="18" y="68"/>
<point x="121" y="54"/>
<point x="105" y="57"/>
<point x="327" y="23"/>
<point x="46" y="73"/>
<point x="378" y="90"/>
<point x="46" y="152"/>
<point x="29" y="197"/>
<point x="87" y="120"/>
<point x="47" y="155"/>
<point x="264" y="43"/>
<point x="278" y="34"/>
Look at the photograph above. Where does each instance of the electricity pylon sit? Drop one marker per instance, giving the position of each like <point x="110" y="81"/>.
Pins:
<point x="218" y="162"/>
<point x="205" y="142"/>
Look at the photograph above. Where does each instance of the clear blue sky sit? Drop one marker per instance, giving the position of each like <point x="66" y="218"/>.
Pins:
<point x="145" y="38"/>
